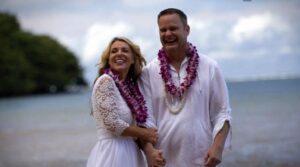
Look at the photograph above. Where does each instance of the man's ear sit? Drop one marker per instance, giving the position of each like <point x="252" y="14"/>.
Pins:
<point x="187" y="29"/>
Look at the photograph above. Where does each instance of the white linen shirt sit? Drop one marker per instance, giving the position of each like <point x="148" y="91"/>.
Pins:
<point x="186" y="137"/>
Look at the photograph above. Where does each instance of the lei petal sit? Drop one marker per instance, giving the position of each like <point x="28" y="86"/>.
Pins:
<point x="132" y="95"/>
<point x="191" y="70"/>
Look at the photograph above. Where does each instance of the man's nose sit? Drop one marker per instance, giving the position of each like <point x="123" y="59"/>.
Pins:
<point x="168" y="32"/>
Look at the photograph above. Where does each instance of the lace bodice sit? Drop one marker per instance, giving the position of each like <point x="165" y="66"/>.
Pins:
<point x="111" y="113"/>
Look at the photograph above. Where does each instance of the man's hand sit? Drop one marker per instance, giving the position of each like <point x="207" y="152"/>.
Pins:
<point x="213" y="157"/>
<point x="214" y="154"/>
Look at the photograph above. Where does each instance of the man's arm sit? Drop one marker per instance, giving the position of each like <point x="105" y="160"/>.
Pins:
<point x="214" y="155"/>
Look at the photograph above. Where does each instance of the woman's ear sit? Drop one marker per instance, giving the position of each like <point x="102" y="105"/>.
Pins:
<point x="133" y="60"/>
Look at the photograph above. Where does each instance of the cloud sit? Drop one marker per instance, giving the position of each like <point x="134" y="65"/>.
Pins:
<point x="147" y="47"/>
<point x="143" y="3"/>
<point x="242" y="33"/>
<point x="210" y="36"/>
<point x="222" y="54"/>
<point x="197" y="24"/>
<point x="256" y="27"/>
<point x="98" y="36"/>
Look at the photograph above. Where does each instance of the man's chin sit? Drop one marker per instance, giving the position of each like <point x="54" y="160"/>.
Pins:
<point x="171" y="47"/>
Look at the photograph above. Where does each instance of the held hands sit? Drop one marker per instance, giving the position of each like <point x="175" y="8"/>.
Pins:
<point x="155" y="158"/>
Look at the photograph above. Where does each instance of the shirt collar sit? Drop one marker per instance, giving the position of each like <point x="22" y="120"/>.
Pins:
<point x="185" y="60"/>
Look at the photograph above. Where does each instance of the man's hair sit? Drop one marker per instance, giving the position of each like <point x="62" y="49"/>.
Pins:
<point x="174" y="11"/>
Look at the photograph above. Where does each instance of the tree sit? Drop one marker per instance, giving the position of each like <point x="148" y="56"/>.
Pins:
<point x="32" y="63"/>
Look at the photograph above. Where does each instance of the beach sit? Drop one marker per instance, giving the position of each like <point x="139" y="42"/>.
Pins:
<point x="57" y="130"/>
<point x="48" y="134"/>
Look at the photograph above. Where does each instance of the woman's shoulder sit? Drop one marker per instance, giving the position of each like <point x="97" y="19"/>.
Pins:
<point x="104" y="79"/>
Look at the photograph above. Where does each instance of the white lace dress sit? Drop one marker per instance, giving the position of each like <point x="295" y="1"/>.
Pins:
<point x="112" y="116"/>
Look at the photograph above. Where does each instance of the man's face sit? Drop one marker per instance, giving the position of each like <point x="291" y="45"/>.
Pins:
<point x="173" y="32"/>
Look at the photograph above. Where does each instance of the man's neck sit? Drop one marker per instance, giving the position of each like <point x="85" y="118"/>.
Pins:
<point x="176" y="59"/>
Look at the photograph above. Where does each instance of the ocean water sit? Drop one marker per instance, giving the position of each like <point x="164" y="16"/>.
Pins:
<point x="266" y="122"/>
<point x="44" y="111"/>
<point x="53" y="130"/>
<point x="57" y="129"/>
<point x="275" y="96"/>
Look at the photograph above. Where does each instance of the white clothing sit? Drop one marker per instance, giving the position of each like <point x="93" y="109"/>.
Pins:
<point x="185" y="138"/>
<point x="112" y="116"/>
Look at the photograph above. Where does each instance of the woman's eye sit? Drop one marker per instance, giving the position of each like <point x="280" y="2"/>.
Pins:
<point x="125" y="50"/>
<point x="114" y="51"/>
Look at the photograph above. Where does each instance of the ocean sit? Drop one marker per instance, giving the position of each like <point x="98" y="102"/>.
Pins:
<point x="57" y="130"/>
<point x="266" y="122"/>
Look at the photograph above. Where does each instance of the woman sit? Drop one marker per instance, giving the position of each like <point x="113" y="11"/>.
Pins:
<point x="118" y="107"/>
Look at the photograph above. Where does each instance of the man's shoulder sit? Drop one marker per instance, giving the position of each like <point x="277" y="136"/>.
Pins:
<point x="153" y="63"/>
<point x="204" y="59"/>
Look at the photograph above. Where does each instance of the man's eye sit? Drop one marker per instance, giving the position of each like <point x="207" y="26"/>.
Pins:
<point x="173" y="28"/>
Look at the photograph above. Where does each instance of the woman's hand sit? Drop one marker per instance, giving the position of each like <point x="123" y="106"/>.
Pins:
<point x="149" y="135"/>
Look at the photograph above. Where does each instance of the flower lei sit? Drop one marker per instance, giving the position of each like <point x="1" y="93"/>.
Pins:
<point x="132" y="95"/>
<point x="191" y="71"/>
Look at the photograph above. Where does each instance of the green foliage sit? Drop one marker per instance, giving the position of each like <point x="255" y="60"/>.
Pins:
<point x="9" y="25"/>
<point x="15" y="73"/>
<point x="34" y="64"/>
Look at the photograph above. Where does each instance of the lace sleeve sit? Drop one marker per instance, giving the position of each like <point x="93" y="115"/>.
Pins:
<point x="106" y="103"/>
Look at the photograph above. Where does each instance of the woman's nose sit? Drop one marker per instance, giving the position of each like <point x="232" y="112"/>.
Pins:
<point x="119" y="52"/>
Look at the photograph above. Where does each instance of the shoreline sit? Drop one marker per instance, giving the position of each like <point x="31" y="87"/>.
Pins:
<point x="54" y="131"/>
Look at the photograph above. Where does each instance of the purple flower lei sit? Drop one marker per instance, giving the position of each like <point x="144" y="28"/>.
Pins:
<point x="132" y="95"/>
<point x="191" y="71"/>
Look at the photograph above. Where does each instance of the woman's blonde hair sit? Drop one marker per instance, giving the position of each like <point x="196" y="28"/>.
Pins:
<point x="135" y="69"/>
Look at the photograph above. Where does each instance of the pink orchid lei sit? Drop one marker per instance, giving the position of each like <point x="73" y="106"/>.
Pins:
<point x="191" y="71"/>
<point x="132" y="95"/>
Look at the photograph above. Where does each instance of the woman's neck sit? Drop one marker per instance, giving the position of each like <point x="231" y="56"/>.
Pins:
<point x="121" y="75"/>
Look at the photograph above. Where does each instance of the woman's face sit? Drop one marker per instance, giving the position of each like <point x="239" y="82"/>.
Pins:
<point x="120" y="58"/>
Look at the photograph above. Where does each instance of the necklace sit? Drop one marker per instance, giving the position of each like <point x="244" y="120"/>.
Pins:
<point x="178" y="91"/>
<point x="132" y="95"/>
<point x="175" y="105"/>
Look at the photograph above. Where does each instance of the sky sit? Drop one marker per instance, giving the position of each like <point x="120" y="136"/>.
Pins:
<point x="250" y="39"/>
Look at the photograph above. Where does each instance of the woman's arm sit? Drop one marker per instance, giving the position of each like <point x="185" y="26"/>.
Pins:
<point x="105" y="99"/>
<point x="145" y="134"/>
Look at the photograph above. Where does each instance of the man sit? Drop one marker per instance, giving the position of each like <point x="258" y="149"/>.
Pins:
<point x="188" y="99"/>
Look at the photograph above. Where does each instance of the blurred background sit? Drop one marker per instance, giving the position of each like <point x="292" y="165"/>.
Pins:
<point x="49" y="51"/>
